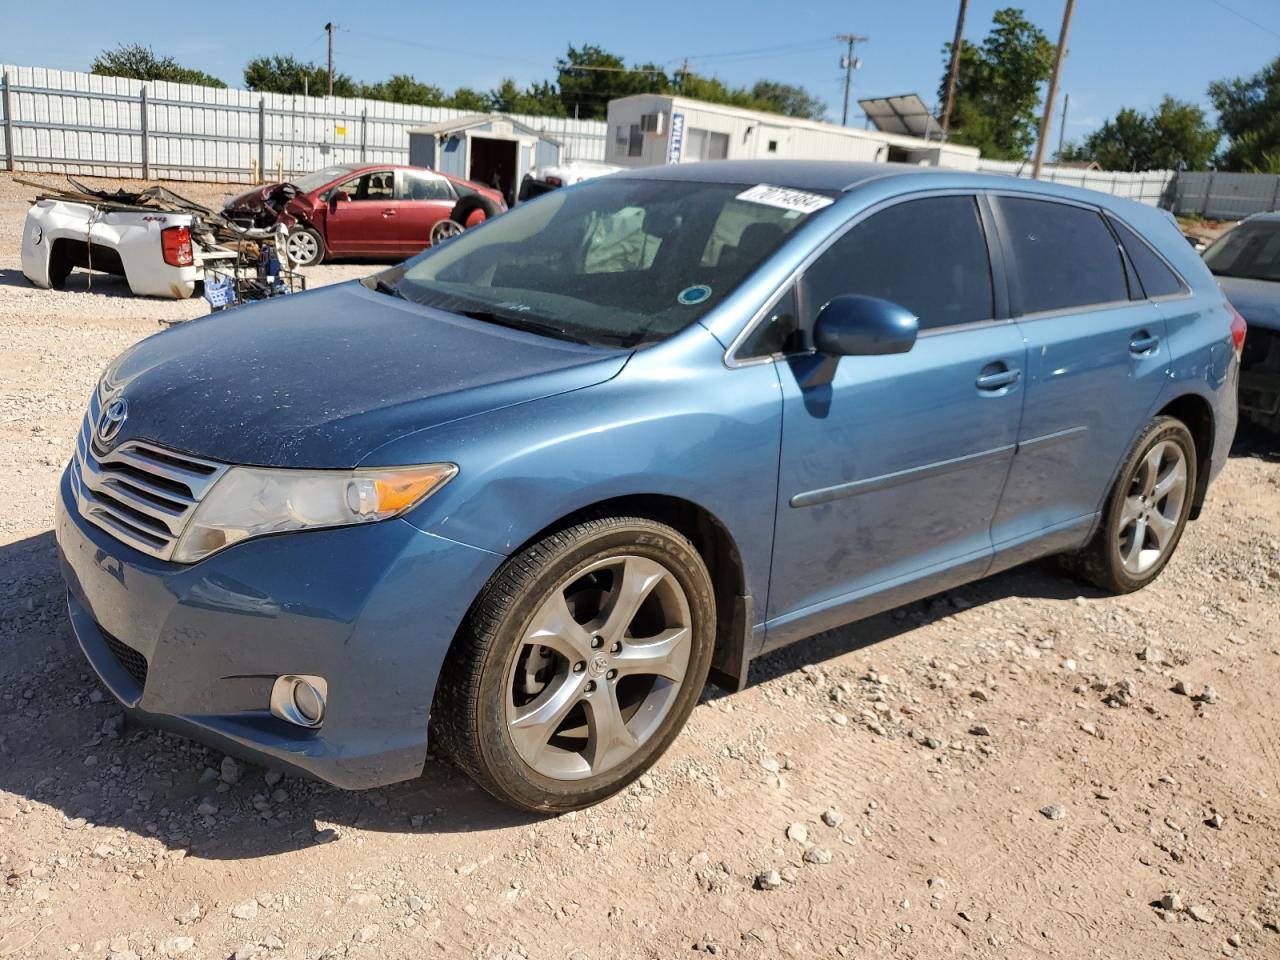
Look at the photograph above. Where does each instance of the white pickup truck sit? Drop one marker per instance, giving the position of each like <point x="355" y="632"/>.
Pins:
<point x="151" y="249"/>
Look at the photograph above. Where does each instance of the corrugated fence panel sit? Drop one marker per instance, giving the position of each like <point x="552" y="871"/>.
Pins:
<point x="65" y="121"/>
<point x="1226" y="196"/>
<point x="1151" y="187"/>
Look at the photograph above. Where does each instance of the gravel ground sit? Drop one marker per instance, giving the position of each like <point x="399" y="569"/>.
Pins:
<point x="1020" y="768"/>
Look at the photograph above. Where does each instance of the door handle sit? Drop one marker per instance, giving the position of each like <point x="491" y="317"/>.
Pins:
<point x="998" y="378"/>
<point x="1143" y="342"/>
<point x="389" y="212"/>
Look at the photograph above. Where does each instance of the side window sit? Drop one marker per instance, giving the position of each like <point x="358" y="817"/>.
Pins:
<point x="1063" y="256"/>
<point x="350" y="187"/>
<point x="419" y="186"/>
<point x="1158" y="280"/>
<point x="928" y="255"/>
<point x="779" y="332"/>
<point x="379" y="186"/>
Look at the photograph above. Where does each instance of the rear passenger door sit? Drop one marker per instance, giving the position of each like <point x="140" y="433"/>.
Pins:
<point x="1096" y="362"/>
<point x="893" y="469"/>
<point x="423" y="199"/>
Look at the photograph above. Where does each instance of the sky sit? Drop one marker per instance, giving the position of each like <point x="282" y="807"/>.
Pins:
<point x="1120" y="53"/>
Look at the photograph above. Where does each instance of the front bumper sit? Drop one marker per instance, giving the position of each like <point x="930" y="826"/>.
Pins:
<point x="196" y="649"/>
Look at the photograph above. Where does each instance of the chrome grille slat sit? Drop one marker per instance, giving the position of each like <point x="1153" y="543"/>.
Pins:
<point x="141" y="493"/>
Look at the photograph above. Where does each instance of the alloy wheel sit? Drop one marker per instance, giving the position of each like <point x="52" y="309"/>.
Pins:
<point x="599" y="667"/>
<point x="1152" y="507"/>
<point x="445" y="230"/>
<point x="302" y="247"/>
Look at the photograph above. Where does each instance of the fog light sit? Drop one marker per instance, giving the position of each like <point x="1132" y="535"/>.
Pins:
<point x="300" y="699"/>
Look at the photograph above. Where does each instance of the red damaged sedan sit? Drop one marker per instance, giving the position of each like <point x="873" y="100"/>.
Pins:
<point x="386" y="212"/>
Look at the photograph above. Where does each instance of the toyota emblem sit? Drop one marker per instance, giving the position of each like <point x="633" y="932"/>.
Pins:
<point x="112" y="419"/>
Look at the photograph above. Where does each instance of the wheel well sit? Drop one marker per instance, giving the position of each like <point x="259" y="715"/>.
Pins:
<point x="718" y="551"/>
<point x="1195" y="412"/>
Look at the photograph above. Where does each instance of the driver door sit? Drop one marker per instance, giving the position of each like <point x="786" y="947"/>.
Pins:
<point x="365" y="223"/>
<point x="892" y="470"/>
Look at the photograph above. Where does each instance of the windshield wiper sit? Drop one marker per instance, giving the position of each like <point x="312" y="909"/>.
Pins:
<point x="390" y="289"/>
<point x="521" y="323"/>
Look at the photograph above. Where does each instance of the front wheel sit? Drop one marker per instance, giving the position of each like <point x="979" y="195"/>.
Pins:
<point x="1145" y="513"/>
<point x="304" y="247"/>
<point x="578" y="664"/>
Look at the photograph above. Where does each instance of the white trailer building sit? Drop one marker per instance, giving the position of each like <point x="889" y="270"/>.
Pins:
<point x="649" y="129"/>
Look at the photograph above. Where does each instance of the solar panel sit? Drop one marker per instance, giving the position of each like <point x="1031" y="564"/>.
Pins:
<point x="905" y="114"/>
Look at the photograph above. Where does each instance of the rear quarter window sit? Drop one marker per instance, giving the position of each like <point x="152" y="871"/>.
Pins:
<point x="1064" y="256"/>
<point x="1156" y="276"/>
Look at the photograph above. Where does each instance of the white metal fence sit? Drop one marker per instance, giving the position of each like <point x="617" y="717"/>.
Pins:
<point x="62" y="121"/>
<point x="1152" y="187"/>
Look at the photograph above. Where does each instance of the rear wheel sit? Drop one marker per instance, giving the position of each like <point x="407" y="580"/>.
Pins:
<point x="579" y="663"/>
<point x="1145" y="513"/>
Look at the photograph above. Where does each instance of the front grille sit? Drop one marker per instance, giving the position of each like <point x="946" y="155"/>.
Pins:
<point x="134" y="663"/>
<point x="140" y="493"/>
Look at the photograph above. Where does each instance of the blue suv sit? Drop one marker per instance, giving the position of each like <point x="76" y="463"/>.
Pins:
<point x="529" y="490"/>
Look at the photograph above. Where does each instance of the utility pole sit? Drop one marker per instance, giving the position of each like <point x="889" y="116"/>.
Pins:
<point x="849" y="64"/>
<point x="954" y="70"/>
<point x="1053" y="89"/>
<point x="329" y="30"/>
<point x="1062" y="130"/>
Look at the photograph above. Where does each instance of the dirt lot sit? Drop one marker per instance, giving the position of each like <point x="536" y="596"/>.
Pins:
<point x="1002" y="771"/>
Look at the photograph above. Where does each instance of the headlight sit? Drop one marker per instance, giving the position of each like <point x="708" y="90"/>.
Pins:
<point x="251" y="502"/>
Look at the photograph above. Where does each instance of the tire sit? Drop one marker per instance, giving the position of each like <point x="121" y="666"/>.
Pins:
<point x="526" y="699"/>
<point x="1145" y="513"/>
<point x="445" y="230"/>
<point x="465" y="209"/>
<point x="304" y="246"/>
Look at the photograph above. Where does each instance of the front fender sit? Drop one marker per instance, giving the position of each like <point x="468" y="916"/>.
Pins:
<point x="675" y="422"/>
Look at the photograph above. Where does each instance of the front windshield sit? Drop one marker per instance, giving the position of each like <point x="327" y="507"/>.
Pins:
<point x="318" y="178"/>
<point x="614" y="261"/>
<point x="1251" y="250"/>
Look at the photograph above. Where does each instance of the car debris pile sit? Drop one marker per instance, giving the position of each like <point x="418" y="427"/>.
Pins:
<point x="161" y="242"/>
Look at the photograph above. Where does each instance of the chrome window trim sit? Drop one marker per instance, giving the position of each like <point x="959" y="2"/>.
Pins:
<point x="729" y="358"/>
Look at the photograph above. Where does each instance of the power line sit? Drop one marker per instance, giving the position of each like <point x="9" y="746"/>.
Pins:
<point x="1237" y="13"/>
<point x="799" y="47"/>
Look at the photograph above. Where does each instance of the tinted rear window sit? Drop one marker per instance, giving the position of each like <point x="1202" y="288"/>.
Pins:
<point x="928" y="255"/>
<point x="1063" y="256"/>
<point x="1158" y="280"/>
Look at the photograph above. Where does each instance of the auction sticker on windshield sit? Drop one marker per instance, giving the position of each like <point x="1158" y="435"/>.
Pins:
<point x="785" y="198"/>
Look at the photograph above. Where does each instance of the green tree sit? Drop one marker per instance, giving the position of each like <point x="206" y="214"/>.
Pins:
<point x="1249" y="114"/>
<point x="402" y="88"/>
<point x="998" y="87"/>
<point x="465" y="98"/>
<point x="787" y="99"/>
<point x="282" y="73"/>
<point x="1175" y="136"/>
<point x="137" y="62"/>
<point x="541" y="99"/>
<point x="591" y="76"/>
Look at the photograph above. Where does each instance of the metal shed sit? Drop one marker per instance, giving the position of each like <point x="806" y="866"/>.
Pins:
<point x="650" y="129"/>
<point x="486" y="148"/>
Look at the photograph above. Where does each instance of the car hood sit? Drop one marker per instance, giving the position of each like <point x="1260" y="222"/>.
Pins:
<point x="1257" y="300"/>
<point x="322" y="379"/>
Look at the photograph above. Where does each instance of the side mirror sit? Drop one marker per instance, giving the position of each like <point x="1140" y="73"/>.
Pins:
<point x="857" y="326"/>
<point x="336" y="196"/>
